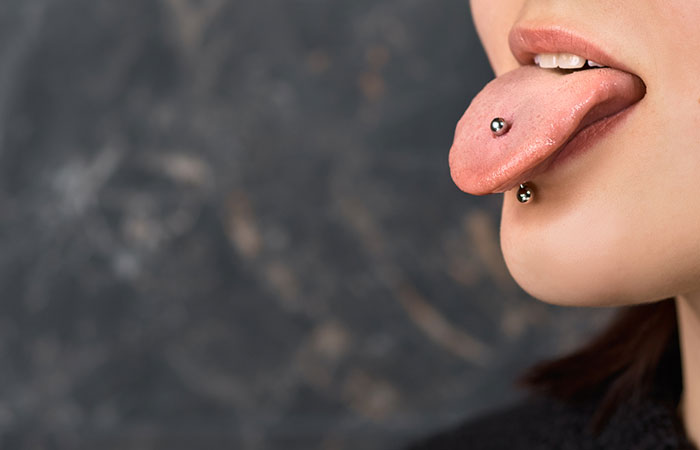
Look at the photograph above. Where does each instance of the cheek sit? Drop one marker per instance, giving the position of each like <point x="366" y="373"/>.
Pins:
<point x="674" y="36"/>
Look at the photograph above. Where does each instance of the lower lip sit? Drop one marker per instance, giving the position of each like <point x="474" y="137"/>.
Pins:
<point x="586" y="138"/>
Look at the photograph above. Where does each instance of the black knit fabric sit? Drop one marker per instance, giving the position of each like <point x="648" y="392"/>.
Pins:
<point x="542" y="424"/>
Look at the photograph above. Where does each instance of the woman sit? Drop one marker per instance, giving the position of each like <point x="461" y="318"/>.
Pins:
<point x="591" y="132"/>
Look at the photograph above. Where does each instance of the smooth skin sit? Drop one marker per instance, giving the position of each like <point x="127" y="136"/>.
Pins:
<point x="620" y="223"/>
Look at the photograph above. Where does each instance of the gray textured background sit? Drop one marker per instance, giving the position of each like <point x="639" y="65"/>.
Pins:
<point x="230" y="224"/>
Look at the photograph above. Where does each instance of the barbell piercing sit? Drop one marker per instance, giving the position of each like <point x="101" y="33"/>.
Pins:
<point x="499" y="126"/>
<point x="525" y="193"/>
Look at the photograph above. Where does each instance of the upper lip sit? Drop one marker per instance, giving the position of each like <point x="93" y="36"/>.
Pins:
<point x="526" y="42"/>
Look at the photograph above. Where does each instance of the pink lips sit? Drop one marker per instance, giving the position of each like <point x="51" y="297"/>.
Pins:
<point x="546" y="109"/>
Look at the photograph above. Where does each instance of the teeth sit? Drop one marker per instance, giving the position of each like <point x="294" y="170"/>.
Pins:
<point x="547" y="60"/>
<point x="562" y="61"/>
<point x="569" y="61"/>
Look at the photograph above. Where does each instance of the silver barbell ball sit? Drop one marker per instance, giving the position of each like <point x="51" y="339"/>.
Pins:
<point x="525" y="193"/>
<point x="499" y="126"/>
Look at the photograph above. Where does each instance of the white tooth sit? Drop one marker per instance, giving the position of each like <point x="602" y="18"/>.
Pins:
<point x="594" y="64"/>
<point x="570" y="61"/>
<point x="547" y="60"/>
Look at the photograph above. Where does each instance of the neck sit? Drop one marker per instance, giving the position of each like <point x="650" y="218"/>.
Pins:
<point x="688" y="307"/>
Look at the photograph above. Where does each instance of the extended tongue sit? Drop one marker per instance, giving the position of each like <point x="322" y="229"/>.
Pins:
<point x="544" y="109"/>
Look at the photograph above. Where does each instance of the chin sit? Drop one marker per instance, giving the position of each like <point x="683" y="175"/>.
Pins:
<point x="576" y="262"/>
<point x="564" y="284"/>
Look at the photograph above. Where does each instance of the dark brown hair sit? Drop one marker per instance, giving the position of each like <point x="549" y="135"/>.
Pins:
<point x="637" y="352"/>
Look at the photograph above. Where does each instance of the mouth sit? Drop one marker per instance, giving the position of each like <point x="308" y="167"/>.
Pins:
<point x="563" y="51"/>
<point x="568" y="93"/>
<point x="530" y="43"/>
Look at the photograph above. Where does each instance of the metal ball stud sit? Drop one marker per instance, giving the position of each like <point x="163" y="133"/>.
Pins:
<point x="525" y="193"/>
<point x="499" y="126"/>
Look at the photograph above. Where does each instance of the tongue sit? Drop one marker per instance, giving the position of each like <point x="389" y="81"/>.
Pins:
<point x="545" y="109"/>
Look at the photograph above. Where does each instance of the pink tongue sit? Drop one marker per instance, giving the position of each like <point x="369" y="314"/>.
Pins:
<point x="544" y="108"/>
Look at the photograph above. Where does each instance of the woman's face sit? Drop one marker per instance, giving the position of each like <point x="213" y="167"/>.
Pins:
<point x="620" y="223"/>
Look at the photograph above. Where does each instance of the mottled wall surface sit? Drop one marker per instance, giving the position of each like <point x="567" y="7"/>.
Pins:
<point x="230" y="224"/>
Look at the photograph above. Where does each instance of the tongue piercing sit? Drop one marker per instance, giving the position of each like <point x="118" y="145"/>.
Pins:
<point x="525" y="193"/>
<point x="499" y="126"/>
